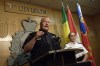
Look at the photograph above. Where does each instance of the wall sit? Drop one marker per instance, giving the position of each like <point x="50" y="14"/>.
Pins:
<point x="97" y="35"/>
<point x="94" y="34"/>
<point x="10" y="23"/>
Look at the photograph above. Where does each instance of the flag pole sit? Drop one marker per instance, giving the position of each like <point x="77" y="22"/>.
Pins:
<point x="61" y="2"/>
<point x="76" y="1"/>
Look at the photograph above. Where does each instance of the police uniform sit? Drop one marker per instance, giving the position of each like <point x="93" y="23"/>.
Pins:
<point x="45" y="43"/>
<point x="72" y="45"/>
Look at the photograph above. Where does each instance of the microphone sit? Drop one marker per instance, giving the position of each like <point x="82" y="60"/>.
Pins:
<point x="91" y="0"/>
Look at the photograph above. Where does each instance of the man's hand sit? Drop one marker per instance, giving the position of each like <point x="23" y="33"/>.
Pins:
<point x="38" y="34"/>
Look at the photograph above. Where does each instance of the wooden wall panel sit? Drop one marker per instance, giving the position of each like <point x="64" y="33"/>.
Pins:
<point x="3" y="28"/>
<point x="96" y="27"/>
<point x="93" y="26"/>
<point x="4" y="52"/>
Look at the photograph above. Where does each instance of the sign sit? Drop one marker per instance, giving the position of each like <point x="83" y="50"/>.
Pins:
<point x="21" y="8"/>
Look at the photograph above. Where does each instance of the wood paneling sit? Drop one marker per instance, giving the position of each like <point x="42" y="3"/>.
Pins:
<point x="4" y="52"/>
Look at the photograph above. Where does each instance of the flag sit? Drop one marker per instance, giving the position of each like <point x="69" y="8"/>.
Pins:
<point x="84" y="34"/>
<point x="72" y="24"/>
<point x="66" y="29"/>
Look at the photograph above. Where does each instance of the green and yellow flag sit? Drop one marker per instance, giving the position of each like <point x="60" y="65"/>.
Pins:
<point x="66" y="29"/>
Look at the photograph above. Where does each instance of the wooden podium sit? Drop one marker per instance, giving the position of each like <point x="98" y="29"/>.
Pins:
<point x="62" y="57"/>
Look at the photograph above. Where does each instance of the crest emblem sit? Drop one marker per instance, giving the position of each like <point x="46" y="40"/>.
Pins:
<point x="17" y="56"/>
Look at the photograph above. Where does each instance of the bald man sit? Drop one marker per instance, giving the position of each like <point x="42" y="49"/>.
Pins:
<point x="40" y="42"/>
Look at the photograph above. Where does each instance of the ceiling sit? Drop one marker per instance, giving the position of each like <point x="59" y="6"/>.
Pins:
<point x="89" y="7"/>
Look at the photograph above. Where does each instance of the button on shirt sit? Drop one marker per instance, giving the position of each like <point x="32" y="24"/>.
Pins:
<point x="73" y="45"/>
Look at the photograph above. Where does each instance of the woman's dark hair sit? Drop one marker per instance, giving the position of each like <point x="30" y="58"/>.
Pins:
<point x="70" y="34"/>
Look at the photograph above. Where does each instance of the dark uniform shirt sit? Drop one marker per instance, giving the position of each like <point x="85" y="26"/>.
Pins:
<point x="44" y="44"/>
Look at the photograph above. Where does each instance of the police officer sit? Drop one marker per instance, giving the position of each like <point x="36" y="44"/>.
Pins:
<point x="40" y="42"/>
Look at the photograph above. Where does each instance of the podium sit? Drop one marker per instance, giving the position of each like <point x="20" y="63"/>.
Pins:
<point x="62" y="57"/>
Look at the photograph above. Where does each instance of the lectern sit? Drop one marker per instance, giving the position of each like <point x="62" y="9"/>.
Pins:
<point x="62" y="57"/>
